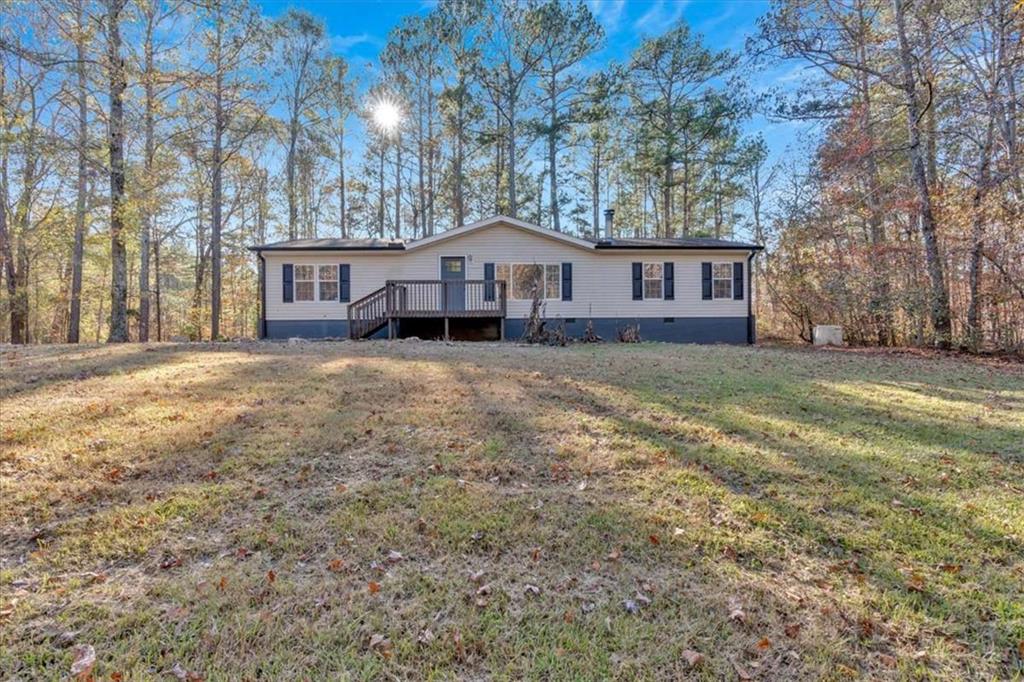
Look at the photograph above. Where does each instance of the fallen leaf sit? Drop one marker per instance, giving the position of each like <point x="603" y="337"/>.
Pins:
<point x="85" y="659"/>
<point x="336" y="565"/>
<point x="476" y="576"/>
<point x="394" y="557"/>
<point x="178" y="671"/>
<point x="692" y="658"/>
<point x="569" y="616"/>
<point x="866" y="628"/>
<point x="916" y="582"/>
<point x="793" y="630"/>
<point x="532" y="589"/>
<point x="373" y="586"/>
<point x="887" y="660"/>
<point x="614" y="555"/>
<point x="425" y="637"/>
<point x="381" y="644"/>
<point x="222" y="585"/>
<point x="535" y="554"/>
<point x="271" y="576"/>
<point x="596" y="565"/>
<point x="116" y="676"/>
<point x="654" y="539"/>
<point x="741" y="672"/>
<point x="764" y="644"/>
<point x="738" y="616"/>
<point x="170" y="562"/>
<point x="951" y="568"/>
<point x="1020" y="648"/>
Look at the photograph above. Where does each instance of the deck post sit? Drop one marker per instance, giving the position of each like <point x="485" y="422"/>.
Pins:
<point x="446" y="337"/>
<point x="501" y="329"/>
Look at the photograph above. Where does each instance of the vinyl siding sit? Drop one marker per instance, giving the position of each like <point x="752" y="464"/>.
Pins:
<point x="602" y="286"/>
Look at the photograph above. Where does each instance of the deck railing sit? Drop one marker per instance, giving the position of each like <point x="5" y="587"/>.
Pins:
<point x="426" y="298"/>
<point x="446" y="298"/>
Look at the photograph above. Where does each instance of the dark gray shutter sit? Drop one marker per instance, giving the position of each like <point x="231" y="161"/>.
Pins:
<point x="288" y="280"/>
<point x="638" y="281"/>
<point x="566" y="281"/>
<point x="705" y="281"/>
<point x="737" y="281"/>
<point x="344" y="283"/>
<point x="489" y="285"/>
<point x="669" y="270"/>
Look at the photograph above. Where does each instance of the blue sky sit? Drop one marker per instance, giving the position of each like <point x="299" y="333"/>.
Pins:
<point x="358" y="30"/>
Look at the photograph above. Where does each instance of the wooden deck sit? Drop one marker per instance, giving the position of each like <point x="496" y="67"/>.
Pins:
<point x="427" y="298"/>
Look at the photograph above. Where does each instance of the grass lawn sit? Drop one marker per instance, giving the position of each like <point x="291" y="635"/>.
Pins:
<point x="429" y="510"/>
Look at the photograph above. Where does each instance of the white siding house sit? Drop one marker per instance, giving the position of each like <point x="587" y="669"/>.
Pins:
<point x="309" y="285"/>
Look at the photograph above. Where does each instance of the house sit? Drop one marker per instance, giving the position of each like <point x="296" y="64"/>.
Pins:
<point x="478" y="281"/>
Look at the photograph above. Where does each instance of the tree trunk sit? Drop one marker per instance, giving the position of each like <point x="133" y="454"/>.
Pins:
<point x="398" y="185"/>
<point x="78" y="249"/>
<point x="595" y="187"/>
<point x="939" y="298"/>
<point x="974" y="336"/>
<point x="118" y="332"/>
<point x="513" y="202"/>
<point x="343" y="223"/>
<point x="216" y="191"/>
<point x="293" y="209"/>
<point x="552" y="153"/>
<point x="460" y="202"/>
<point x="146" y="230"/>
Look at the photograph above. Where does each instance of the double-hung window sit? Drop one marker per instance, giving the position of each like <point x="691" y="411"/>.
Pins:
<point x="525" y="279"/>
<point x="653" y="280"/>
<point x="305" y="283"/>
<point x="328" y="282"/>
<point x="316" y="283"/>
<point x="721" y="283"/>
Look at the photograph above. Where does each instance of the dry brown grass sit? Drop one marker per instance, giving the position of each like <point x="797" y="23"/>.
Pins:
<point x="233" y="511"/>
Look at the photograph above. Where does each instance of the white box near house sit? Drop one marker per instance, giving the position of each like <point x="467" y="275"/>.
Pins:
<point x="828" y="335"/>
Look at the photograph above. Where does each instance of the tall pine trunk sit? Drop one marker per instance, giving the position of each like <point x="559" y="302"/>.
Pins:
<point x="145" y="233"/>
<point x="78" y="249"/>
<point x="553" y="152"/>
<point x="118" y="332"/>
<point x="974" y="336"/>
<point x="939" y="296"/>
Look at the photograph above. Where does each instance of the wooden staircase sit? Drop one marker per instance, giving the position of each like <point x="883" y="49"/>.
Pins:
<point x="368" y="315"/>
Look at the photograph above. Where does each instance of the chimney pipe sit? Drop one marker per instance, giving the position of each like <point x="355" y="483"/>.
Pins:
<point x="609" y="218"/>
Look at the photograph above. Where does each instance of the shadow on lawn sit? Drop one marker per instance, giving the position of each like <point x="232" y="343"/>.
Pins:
<point x="408" y="426"/>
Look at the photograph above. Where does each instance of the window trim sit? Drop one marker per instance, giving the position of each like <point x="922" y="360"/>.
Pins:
<point x="644" y="279"/>
<point x="316" y="283"/>
<point x="296" y="280"/>
<point x="715" y="279"/>
<point x="336" y="281"/>
<point x="510" y="288"/>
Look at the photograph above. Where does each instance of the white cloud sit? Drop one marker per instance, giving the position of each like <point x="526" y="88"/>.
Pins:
<point x="343" y="44"/>
<point x="661" y="16"/>
<point x="608" y="12"/>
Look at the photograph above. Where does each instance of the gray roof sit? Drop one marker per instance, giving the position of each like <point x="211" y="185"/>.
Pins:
<point x="696" y="243"/>
<point x="673" y="243"/>
<point x="332" y="245"/>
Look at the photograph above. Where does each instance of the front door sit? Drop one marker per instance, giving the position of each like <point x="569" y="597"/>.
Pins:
<point x="453" y="271"/>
